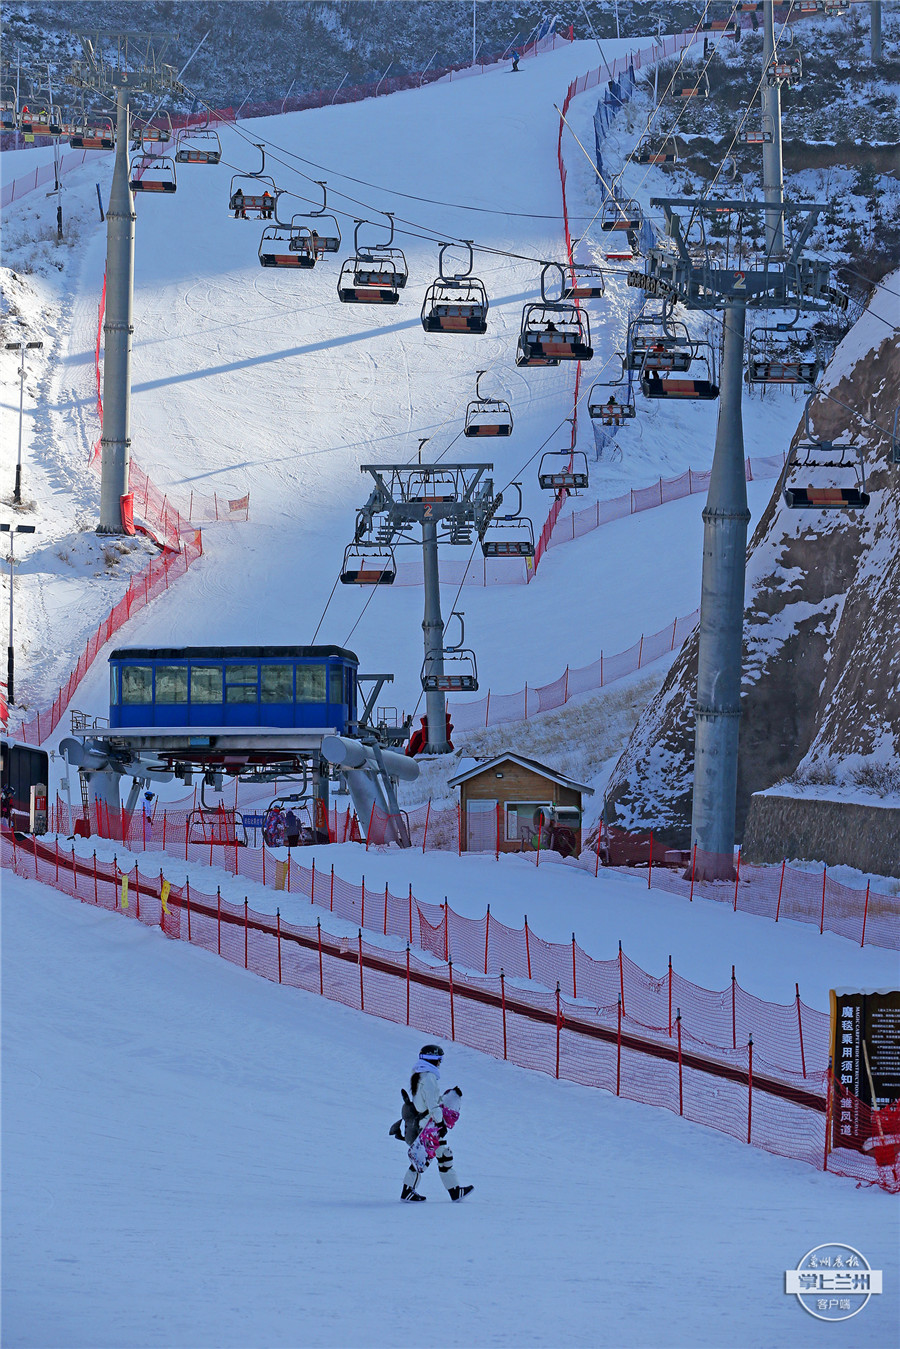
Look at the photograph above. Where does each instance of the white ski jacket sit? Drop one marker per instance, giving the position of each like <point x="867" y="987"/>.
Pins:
<point x="428" y="1098"/>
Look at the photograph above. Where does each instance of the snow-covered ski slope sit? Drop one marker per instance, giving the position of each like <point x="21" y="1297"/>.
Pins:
<point x="255" y="379"/>
<point x="196" y="1157"/>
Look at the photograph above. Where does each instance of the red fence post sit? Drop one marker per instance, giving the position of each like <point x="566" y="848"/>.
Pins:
<point x="137" y="893"/>
<point x="619" y="1046"/>
<point x="246" y="931"/>
<point x="733" y="1012"/>
<point x="410" y="913"/>
<point x="558" y="1023"/>
<point x="800" y="1031"/>
<point x="218" y="920"/>
<point x="362" y="1000"/>
<point x="452" y="1016"/>
<point x="527" y="947"/>
<point x="737" y="877"/>
<point x="487" y="931"/>
<point x="865" y="915"/>
<point x="503" y="1006"/>
<point x="96" y="899"/>
<point x="187" y="890"/>
<point x="407" y="983"/>
<point x="321" y="975"/>
<point x="574" y="976"/>
<point x="363" y="916"/>
<point x="278" y="920"/>
<point x="749" y="1086"/>
<point x="670" y="997"/>
<point x="780" y="887"/>
<point x="828" y="1109"/>
<point x="822" y="918"/>
<point x="680" y="1077"/>
<point x="621" y="976"/>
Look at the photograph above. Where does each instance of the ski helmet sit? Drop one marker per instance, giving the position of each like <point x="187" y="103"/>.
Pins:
<point x="431" y="1053"/>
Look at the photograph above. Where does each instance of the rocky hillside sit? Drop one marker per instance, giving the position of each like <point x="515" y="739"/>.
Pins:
<point x="821" y="685"/>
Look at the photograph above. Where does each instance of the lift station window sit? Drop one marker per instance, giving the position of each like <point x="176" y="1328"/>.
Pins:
<point x="171" y="684"/>
<point x="276" y="684"/>
<point x="206" y="683"/>
<point x="137" y="684"/>
<point x="310" y="683"/>
<point x="336" y="685"/>
<point x="241" y="684"/>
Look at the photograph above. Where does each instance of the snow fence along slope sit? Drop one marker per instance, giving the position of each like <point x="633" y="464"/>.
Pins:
<point x="737" y="1090"/>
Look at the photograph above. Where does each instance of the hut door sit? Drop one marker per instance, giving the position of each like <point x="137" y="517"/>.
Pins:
<point x="481" y="826"/>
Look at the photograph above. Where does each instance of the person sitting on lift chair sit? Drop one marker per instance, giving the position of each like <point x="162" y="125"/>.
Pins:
<point x="237" y="202"/>
<point x="268" y="201"/>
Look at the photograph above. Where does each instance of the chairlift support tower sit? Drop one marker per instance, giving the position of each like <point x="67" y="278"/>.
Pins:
<point x="137" y="68"/>
<point x="449" y="502"/>
<point x="795" y="283"/>
<point x="773" y="172"/>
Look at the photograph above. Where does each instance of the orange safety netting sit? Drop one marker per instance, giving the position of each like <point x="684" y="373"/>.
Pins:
<point x="735" y="1090"/>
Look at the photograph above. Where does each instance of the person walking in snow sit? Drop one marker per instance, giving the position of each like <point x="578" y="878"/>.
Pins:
<point x="435" y="1117"/>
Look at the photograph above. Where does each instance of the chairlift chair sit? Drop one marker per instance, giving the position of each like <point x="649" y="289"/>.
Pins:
<point x="456" y="303"/>
<point x="277" y="249"/>
<point x="836" y="460"/>
<point x="321" y="224"/>
<point x="375" y="274"/>
<point x="510" y="535"/>
<point x="460" y="671"/>
<point x="658" y="343"/>
<point x="785" y="66"/>
<point x="774" y="361"/>
<point x="151" y="134"/>
<point x="764" y="134"/>
<point x="553" y="330"/>
<point x="101" y="136"/>
<point x="487" y="416"/>
<point x="563" y="470"/>
<point x="651" y="151"/>
<point x="367" y="565"/>
<point x="198" y="145"/>
<point x="621" y="215"/>
<point x="656" y="385"/>
<point x="611" y="410"/>
<point x="585" y="283"/>
<point x="698" y="90"/>
<point x="152" y="173"/>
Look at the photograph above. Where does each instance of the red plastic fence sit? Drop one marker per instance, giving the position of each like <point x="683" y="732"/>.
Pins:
<point x="496" y="708"/>
<point x="607" y="1045"/>
<point x="637" y="499"/>
<point x="45" y="173"/>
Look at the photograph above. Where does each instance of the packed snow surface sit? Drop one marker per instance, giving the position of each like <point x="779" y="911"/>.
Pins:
<point x="194" y="1156"/>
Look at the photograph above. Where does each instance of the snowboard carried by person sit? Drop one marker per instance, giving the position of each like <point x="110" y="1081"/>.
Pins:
<point x="427" y="1117"/>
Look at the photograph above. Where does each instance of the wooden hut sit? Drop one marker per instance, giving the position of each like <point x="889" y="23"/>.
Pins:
<point x="499" y="801"/>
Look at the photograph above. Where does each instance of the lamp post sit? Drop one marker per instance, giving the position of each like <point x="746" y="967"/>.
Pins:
<point x="21" y="348"/>
<point x="12" y="531"/>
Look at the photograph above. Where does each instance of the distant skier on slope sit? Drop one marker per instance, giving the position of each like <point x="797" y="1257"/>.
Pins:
<point x="435" y="1115"/>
